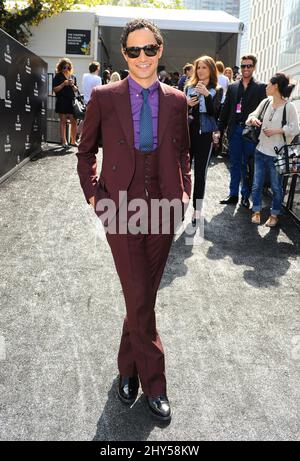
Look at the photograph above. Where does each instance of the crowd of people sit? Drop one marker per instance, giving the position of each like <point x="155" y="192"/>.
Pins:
<point x="222" y="101"/>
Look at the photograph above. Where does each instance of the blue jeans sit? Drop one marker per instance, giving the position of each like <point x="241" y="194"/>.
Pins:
<point x="265" y="164"/>
<point x="240" y="150"/>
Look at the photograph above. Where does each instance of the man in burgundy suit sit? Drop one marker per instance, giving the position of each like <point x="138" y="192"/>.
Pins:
<point x="144" y="131"/>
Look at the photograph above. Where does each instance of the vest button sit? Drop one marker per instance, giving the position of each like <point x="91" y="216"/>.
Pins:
<point x="114" y="167"/>
<point x="121" y="141"/>
<point x="174" y="140"/>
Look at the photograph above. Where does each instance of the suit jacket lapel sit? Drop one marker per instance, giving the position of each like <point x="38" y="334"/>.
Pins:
<point x="121" y="99"/>
<point x="164" y="111"/>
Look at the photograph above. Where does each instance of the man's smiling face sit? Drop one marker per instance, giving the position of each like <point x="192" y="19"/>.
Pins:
<point x="142" y="69"/>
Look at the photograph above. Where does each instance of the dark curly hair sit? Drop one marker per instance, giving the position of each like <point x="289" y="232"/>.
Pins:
<point x="62" y="63"/>
<point x="250" y="57"/>
<point x="136" y="24"/>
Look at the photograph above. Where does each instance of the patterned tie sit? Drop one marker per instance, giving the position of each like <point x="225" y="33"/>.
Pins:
<point x="146" y="127"/>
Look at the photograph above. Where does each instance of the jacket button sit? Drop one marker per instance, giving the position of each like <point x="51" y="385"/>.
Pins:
<point x="174" y="140"/>
<point x="114" y="167"/>
<point x="121" y="141"/>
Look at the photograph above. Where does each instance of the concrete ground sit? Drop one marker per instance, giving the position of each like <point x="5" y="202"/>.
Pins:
<point x="228" y="314"/>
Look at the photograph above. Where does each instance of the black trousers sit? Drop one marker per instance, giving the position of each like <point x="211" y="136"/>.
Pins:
<point x="201" y="154"/>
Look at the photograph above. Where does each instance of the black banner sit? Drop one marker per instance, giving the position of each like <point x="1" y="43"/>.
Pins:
<point x="78" y="41"/>
<point x="23" y="102"/>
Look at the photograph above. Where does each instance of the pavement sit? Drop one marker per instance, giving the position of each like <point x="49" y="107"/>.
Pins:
<point x="227" y="311"/>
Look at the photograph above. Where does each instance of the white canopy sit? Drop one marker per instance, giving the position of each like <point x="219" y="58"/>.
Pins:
<point x="193" y="20"/>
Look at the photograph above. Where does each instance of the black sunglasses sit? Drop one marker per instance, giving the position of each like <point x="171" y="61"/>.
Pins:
<point x="134" y="51"/>
<point x="248" y="66"/>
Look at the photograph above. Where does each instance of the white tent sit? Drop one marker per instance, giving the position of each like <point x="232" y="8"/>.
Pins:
<point x="188" y="20"/>
<point x="188" y="34"/>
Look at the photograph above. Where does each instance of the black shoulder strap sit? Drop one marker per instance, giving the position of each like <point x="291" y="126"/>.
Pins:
<point x="283" y="123"/>
<point x="263" y="111"/>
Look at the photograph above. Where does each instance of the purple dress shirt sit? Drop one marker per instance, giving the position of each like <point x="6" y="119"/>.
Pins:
<point x="136" y="101"/>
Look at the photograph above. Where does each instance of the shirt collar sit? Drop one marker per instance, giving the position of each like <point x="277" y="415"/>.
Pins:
<point x="251" y="81"/>
<point x="133" y="85"/>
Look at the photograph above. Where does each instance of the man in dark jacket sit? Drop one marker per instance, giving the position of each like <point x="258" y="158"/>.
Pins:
<point x="242" y="98"/>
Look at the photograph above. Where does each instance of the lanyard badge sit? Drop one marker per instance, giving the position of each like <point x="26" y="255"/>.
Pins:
<point x="239" y="107"/>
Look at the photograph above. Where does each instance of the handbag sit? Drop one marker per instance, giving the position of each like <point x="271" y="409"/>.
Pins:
<point x="250" y="132"/>
<point x="287" y="161"/>
<point x="79" y="108"/>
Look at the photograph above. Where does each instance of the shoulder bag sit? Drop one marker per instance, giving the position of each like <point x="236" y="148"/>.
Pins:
<point x="287" y="159"/>
<point x="79" y="107"/>
<point x="251" y="132"/>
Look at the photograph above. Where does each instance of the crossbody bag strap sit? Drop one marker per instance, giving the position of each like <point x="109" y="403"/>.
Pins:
<point x="285" y="148"/>
<point x="283" y="123"/>
<point x="263" y="111"/>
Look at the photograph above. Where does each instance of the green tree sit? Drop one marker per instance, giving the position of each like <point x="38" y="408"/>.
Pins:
<point x="172" y="4"/>
<point x="17" y="21"/>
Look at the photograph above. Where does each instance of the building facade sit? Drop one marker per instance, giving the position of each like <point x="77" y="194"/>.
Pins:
<point x="272" y="33"/>
<point x="245" y="17"/>
<point x="230" y="6"/>
<point x="289" y="58"/>
<point x="265" y="35"/>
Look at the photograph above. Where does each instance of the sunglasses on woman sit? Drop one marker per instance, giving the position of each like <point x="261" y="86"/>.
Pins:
<point x="133" y="52"/>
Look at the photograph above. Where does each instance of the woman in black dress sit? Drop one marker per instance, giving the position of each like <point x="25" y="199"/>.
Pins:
<point x="64" y="87"/>
<point x="204" y="100"/>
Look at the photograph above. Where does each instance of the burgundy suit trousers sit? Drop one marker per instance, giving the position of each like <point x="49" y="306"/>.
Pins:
<point x="140" y="261"/>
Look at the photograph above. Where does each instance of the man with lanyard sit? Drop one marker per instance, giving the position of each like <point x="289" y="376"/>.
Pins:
<point x="241" y="99"/>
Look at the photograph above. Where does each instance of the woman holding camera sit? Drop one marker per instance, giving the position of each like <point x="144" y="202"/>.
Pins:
<point x="204" y="100"/>
<point x="64" y="87"/>
<point x="272" y="134"/>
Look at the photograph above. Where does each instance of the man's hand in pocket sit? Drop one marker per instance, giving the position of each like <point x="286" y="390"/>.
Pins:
<point x="92" y="201"/>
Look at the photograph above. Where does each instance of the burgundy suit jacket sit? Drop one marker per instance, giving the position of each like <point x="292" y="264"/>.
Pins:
<point x="109" y="116"/>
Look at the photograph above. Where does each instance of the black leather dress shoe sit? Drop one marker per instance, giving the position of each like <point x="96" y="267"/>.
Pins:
<point x="245" y="202"/>
<point x="128" y="389"/>
<point x="231" y="200"/>
<point x="160" y="407"/>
